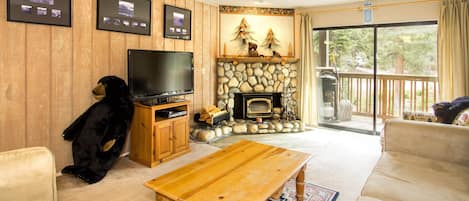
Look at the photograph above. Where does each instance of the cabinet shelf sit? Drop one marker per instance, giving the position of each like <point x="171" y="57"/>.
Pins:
<point x="162" y="119"/>
<point x="157" y="139"/>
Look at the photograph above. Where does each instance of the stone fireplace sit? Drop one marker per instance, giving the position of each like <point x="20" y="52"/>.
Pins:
<point x="250" y="87"/>
<point x="259" y="83"/>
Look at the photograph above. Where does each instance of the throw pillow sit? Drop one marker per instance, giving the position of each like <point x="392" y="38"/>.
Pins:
<point x="463" y="118"/>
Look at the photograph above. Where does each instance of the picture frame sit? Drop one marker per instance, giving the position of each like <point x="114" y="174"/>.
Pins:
<point x="281" y="23"/>
<point x="126" y="16"/>
<point x="48" y="12"/>
<point x="177" y="23"/>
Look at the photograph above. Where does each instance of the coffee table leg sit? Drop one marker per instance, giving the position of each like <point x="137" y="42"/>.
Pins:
<point x="300" y="184"/>
<point x="161" y="198"/>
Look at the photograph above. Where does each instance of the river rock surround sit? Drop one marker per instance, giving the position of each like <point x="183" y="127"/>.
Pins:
<point x="246" y="77"/>
<point x="246" y="127"/>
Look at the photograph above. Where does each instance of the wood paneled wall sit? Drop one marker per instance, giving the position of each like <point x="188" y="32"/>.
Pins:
<point x="47" y="72"/>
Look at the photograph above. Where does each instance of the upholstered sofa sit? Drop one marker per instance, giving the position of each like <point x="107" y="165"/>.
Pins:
<point x="420" y="162"/>
<point x="27" y="175"/>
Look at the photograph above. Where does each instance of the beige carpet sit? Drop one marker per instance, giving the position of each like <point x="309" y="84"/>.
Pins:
<point x="125" y="181"/>
<point x="341" y="161"/>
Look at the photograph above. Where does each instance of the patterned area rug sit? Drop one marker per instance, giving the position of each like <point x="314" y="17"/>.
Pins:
<point x="312" y="193"/>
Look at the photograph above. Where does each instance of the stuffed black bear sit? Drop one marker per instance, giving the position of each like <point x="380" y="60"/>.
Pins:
<point x="446" y="112"/>
<point x="99" y="134"/>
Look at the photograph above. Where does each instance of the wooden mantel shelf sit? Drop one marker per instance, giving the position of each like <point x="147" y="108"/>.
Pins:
<point x="258" y="59"/>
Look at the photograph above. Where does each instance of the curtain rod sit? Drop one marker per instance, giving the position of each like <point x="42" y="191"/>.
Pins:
<point x="360" y="8"/>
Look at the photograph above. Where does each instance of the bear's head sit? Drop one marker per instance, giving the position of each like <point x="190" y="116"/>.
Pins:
<point x="110" y="87"/>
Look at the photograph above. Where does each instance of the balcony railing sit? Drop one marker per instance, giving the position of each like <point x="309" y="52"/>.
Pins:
<point x="396" y="93"/>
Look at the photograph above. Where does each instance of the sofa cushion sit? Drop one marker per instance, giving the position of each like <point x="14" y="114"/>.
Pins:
<point x="27" y="174"/>
<point x="404" y="177"/>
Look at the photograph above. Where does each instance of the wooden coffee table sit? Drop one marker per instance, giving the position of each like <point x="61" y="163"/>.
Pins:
<point x="246" y="171"/>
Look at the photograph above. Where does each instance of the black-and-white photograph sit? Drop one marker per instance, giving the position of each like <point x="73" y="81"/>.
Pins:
<point x="47" y="2"/>
<point x="50" y="12"/>
<point x="126" y="8"/>
<point x="41" y="11"/>
<point x="177" y="22"/>
<point x="56" y="13"/>
<point x="27" y="9"/>
<point x="178" y="19"/>
<point x="128" y="16"/>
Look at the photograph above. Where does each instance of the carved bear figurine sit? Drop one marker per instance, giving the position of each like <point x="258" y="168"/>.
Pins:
<point x="252" y="49"/>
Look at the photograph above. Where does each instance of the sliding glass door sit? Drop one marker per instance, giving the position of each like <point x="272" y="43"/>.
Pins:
<point x="346" y="77"/>
<point x="407" y="69"/>
<point x="368" y="74"/>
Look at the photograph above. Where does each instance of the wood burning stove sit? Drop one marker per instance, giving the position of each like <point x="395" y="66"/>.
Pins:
<point x="253" y="105"/>
<point x="259" y="107"/>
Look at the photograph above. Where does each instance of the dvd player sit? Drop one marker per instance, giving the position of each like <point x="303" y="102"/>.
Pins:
<point x="171" y="113"/>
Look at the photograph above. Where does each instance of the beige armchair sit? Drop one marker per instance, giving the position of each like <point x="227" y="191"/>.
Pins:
<point x="27" y="175"/>
<point x="421" y="161"/>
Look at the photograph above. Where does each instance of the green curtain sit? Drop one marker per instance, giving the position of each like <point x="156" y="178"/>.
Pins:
<point x="453" y="49"/>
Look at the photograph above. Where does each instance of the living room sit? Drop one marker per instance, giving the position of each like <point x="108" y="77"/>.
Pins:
<point x="294" y="78"/>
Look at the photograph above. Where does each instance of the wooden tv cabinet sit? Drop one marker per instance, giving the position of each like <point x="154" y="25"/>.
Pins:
<point x="156" y="139"/>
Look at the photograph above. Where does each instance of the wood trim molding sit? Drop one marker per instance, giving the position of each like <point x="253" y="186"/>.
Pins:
<point x="361" y="7"/>
<point x="256" y="11"/>
<point x="258" y="59"/>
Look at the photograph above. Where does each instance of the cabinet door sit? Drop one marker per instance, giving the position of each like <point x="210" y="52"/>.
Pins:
<point x="181" y="135"/>
<point x="164" y="133"/>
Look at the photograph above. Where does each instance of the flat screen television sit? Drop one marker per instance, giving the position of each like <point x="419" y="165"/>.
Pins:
<point x="159" y="74"/>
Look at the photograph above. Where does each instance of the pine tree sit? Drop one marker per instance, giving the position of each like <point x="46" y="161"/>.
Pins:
<point x="243" y="32"/>
<point x="270" y="40"/>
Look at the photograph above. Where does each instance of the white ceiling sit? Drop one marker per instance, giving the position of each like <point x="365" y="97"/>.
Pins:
<point x="281" y="3"/>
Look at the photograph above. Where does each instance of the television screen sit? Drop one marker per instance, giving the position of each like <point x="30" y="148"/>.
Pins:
<point x="155" y="74"/>
<point x="177" y="23"/>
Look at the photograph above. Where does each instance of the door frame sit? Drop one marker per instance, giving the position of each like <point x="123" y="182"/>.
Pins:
<point x="375" y="69"/>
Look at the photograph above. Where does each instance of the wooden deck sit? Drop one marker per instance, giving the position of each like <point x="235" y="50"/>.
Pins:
<point x="396" y="93"/>
<point x="358" y="122"/>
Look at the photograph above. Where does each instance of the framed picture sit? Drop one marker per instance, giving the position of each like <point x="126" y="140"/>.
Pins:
<point x="177" y="22"/>
<point x="52" y="12"/>
<point x="283" y="26"/>
<point x="128" y="16"/>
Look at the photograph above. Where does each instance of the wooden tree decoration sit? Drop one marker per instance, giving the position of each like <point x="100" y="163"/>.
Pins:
<point x="243" y="32"/>
<point x="270" y="40"/>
